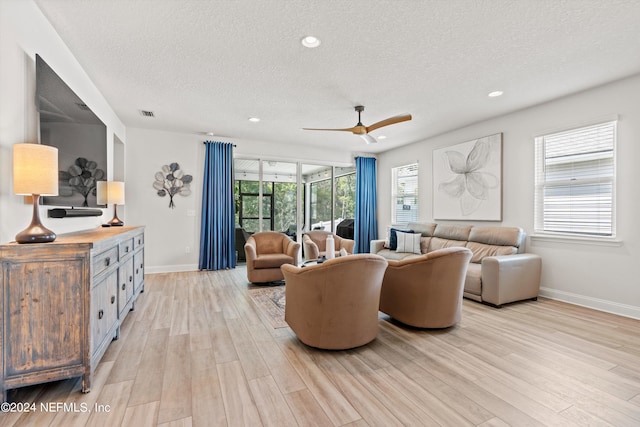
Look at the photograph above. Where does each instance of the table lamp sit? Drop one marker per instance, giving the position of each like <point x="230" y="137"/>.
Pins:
<point x="111" y="192"/>
<point x="35" y="173"/>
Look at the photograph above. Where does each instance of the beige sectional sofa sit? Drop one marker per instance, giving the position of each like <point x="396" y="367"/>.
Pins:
<point x="499" y="272"/>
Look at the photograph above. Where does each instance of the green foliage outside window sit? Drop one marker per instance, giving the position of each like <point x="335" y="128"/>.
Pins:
<point x="284" y="205"/>
<point x="321" y="201"/>
<point x="281" y="194"/>
<point x="346" y="196"/>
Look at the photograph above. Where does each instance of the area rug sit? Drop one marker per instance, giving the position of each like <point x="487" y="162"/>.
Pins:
<point x="270" y="302"/>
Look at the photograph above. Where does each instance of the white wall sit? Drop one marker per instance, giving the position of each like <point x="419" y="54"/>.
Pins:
<point x="602" y="277"/>
<point x="24" y="31"/>
<point x="172" y="236"/>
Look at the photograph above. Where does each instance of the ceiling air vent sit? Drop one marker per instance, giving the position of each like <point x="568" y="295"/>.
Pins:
<point x="147" y="113"/>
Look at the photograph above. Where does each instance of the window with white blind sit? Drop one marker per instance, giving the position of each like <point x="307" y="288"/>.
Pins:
<point x="404" y="188"/>
<point x="575" y="181"/>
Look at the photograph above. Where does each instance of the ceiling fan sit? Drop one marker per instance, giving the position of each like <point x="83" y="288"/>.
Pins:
<point x="363" y="131"/>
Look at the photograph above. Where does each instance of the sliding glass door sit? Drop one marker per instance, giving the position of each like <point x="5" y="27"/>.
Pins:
<point x="247" y="194"/>
<point x="318" y="182"/>
<point x="266" y="196"/>
<point x="292" y="198"/>
<point x="283" y="203"/>
<point x="344" y="202"/>
<point x="248" y="205"/>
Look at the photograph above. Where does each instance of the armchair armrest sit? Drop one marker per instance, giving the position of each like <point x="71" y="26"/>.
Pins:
<point x="311" y="250"/>
<point x="292" y="249"/>
<point x="509" y="278"/>
<point x="347" y="245"/>
<point x="376" y="246"/>
<point x="250" y="249"/>
<point x="250" y="253"/>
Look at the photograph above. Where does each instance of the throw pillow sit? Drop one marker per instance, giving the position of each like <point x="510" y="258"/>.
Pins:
<point x="409" y="242"/>
<point x="393" y="238"/>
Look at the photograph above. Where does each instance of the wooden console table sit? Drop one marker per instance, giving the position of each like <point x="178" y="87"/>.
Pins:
<point x="63" y="302"/>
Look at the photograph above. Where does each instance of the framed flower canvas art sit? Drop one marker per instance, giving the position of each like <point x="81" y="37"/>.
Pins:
<point x="467" y="180"/>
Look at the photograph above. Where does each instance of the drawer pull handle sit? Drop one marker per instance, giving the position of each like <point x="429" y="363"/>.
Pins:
<point x="126" y="249"/>
<point x="113" y="299"/>
<point x="107" y="261"/>
<point x="100" y="314"/>
<point x="124" y="285"/>
<point x="139" y="241"/>
<point x="130" y="278"/>
<point x="136" y="271"/>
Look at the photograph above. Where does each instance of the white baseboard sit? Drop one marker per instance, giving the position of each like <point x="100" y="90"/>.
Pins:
<point x="589" y="302"/>
<point x="171" y="268"/>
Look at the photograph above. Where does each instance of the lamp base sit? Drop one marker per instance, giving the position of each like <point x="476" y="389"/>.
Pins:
<point x="115" y="221"/>
<point x="36" y="232"/>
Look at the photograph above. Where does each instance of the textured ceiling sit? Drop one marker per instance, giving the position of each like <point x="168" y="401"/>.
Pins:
<point x="207" y="66"/>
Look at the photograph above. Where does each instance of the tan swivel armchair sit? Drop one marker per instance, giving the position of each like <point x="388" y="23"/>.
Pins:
<point x="426" y="292"/>
<point x="334" y="305"/>
<point x="266" y="252"/>
<point x="314" y="244"/>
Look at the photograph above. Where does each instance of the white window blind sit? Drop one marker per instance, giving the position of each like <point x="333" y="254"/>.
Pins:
<point x="404" y="205"/>
<point x="575" y="181"/>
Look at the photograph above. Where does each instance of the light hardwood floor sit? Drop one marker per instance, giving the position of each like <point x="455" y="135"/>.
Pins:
<point x="196" y="352"/>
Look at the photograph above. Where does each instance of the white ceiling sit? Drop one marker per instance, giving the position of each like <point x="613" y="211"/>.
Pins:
<point x="205" y="66"/>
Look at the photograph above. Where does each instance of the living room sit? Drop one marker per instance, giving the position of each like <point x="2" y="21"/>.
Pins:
<point x="594" y="273"/>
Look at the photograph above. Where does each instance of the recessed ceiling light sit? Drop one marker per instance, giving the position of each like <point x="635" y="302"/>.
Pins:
<point x="382" y="137"/>
<point x="254" y="119"/>
<point x="495" y="93"/>
<point x="310" y="42"/>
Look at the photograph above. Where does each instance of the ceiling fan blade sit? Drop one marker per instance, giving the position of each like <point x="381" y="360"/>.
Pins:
<point x="368" y="138"/>
<point x="353" y="129"/>
<point x="390" y="121"/>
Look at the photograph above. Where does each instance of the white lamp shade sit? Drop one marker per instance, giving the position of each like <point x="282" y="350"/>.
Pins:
<point x="35" y="169"/>
<point x="110" y="193"/>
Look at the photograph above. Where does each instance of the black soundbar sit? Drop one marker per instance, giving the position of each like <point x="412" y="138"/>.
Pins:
<point x="68" y="213"/>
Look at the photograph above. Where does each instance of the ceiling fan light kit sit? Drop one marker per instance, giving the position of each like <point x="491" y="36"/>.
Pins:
<point x="368" y="138"/>
<point x="363" y="131"/>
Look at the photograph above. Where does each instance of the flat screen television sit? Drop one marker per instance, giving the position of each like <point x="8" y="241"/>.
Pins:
<point x="79" y="135"/>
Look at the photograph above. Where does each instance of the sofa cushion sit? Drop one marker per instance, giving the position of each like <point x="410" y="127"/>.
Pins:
<point x="438" y="243"/>
<point x="396" y="256"/>
<point x="452" y="232"/>
<point x="424" y="244"/>
<point x="272" y="260"/>
<point x="409" y="242"/>
<point x="426" y="229"/>
<point x="480" y="250"/>
<point x="473" y="282"/>
<point x="498" y="236"/>
<point x="393" y="237"/>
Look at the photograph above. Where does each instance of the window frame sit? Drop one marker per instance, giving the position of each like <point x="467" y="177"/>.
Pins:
<point x="395" y="193"/>
<point x="541" y="183"/>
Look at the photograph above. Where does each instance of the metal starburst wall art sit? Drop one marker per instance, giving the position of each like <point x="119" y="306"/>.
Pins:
<point x="170" y="181"/>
